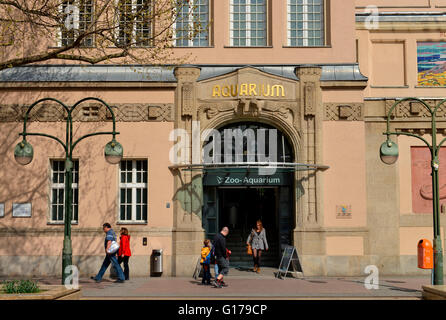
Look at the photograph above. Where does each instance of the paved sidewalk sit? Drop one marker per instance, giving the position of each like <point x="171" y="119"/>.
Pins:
<point x="248" y="285"/>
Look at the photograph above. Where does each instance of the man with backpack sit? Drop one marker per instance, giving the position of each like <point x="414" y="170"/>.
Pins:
<point x="110" y="255"/>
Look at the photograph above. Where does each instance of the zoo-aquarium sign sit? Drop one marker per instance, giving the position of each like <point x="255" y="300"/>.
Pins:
<point x="247" y="179"/>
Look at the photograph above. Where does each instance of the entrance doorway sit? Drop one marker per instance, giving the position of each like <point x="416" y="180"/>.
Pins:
<point x="236" y="195"/>
<point x="239" y="208"/>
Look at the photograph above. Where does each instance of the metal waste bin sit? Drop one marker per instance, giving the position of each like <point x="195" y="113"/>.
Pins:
<point x="156" y="263"/>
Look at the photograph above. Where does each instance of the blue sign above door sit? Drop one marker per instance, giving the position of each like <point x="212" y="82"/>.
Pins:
<point x="245" y="178"/>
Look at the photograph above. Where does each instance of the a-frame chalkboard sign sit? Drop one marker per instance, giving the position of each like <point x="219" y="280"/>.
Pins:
<point x="289" y="258"/>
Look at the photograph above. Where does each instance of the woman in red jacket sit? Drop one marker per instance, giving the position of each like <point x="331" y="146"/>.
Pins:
<point x="124" y="252"/>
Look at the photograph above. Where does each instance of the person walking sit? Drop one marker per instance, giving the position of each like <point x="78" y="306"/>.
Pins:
<point x="206" y="262"/>
<point x="258" y="242"/>
<point x="124" y="252"/>
<point x="214" y="260"/>
<point x="109" y="257"/>
<point x="221" y="257"/>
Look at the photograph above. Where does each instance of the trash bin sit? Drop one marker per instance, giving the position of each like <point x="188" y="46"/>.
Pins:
<point x="156" y="263"/>
<point x="425" y="254"/>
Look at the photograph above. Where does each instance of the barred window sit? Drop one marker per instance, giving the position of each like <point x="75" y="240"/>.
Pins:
<point x="306" y="23"/>
<point x="134" y="23"/>
<point x="57" y="204"/>
<point x="133" y="191"/>
<point x="76" y="16"/>
<point x="248" y="24"/>
<point x="192" y="24"/>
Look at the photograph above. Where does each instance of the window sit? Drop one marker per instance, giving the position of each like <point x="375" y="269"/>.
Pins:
<point x="192" y="24"/>
<point x="77" y="15"/>
<point x="57" y="204"/>
<point x="134" y="23"/>
<point x="246" y="144"/>
<point x="248" y="25"/>
<point x="306" y="23"/>
<point x="133" y="191"/>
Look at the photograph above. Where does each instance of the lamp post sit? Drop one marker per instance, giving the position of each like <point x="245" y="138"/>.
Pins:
<point x="24" y="153"/>
<point x="389" y="155"/>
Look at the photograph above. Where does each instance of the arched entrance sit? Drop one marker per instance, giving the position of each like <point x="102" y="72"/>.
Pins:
<point x="239" y="194"/>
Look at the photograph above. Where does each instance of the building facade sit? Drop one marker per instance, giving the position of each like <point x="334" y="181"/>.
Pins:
<point x="314" y="77"/>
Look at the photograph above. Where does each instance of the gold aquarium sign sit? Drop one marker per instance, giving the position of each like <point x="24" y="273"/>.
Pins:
<point x="248" y="90"/>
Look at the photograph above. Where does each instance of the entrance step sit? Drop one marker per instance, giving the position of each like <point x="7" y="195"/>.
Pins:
<point x="236" y="242"/>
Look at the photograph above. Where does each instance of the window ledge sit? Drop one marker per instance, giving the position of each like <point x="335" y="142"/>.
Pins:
<point x="60" y="223"/>
<point x="248" y="47"/>
<point x="305" y="47"/>
<point x="131" y="222"/>
<point x="193" y="47"/>
<point x="79" y="47"/>
<point x="131" y="47"/>
<point x="389" y="87"/>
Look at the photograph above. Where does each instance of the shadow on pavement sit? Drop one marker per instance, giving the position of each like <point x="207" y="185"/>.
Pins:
<point x="390" y="287"/>
<point x="244" y="269"/>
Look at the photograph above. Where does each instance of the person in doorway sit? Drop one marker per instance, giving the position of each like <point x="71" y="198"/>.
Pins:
<point x="109" y="257"/>
<point x="233" y="216"/>
<point x="221" y="257"/>
<point x="258" y="242"/>
<point x="206" y="262"/>
<point x="124" y="252"/>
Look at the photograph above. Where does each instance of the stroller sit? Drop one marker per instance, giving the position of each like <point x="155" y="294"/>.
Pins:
<point x="198" y="272"/>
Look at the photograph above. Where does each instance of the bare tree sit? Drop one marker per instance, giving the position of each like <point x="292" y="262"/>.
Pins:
<point x="95" y="31"/>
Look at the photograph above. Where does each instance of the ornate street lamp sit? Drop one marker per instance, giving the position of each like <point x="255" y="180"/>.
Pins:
<point x="113" y="152"/>
<point x="389" y="155"/>
<point x="23" y="154"/>
<point x="389" y="152"/>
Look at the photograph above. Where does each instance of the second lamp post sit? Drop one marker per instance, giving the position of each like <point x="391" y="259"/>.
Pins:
<point x="389" y="155"/>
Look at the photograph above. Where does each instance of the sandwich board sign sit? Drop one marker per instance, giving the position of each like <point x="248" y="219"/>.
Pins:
<point x="289" y="259"/>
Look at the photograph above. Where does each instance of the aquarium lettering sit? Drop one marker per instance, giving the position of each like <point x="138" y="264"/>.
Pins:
<point x="248" y="90"/>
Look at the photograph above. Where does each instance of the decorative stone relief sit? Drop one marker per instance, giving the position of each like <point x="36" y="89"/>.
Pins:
<point x="422" y="180"/>
<point x="187" y="74"/>
<point x="345" y="111"/>
<point x="283" y="110"/>
<point x="161" y="112"/>
<point x="51" y="112"/>
<point x="211" y="110"/>
<point x="414" y="109"/>
<point x="248" y="107"/>
<point x="421" y="131"/>
<point x="309" y="98"/>
<point x="188" y="99"/>
<point x="309" y="71"/>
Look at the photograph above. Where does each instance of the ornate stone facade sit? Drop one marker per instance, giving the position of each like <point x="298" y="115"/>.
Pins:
<point x="344" y="111"/>
<point x="52" y="112"/>
<point x="414" y="109"/>
<point x="249" y="94"/>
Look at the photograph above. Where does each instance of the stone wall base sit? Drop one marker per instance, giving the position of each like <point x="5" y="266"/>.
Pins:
<point x="354" y="266"/>
<point x="313" y="265"/>
<point x="29" y="266"/>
